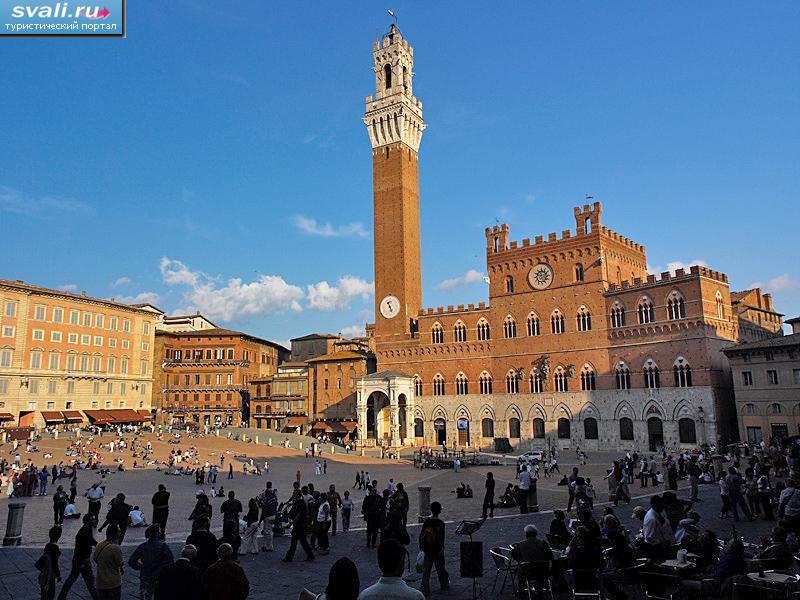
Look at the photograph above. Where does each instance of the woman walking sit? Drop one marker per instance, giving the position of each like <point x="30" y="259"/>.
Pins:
<point x="249" y="538"/>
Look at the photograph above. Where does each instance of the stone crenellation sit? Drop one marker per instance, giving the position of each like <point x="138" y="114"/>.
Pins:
<point x="667" y="276"/>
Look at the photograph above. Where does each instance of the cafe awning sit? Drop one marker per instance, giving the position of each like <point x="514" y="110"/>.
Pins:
<point x="52" y="416"/>
<point x="295" y="421"/>
<point x="99" y="417"/>
<point x="350" y="426"/>
<point x="72" y="416"/>
<point x="321" y="426"/>
<point x="125" y="415"/>
<point x="7" y="417"/>
<point x="145" y="414"/>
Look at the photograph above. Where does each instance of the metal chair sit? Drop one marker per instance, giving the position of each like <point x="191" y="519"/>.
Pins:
<point x="584" y="583"/>
<point x="502" y="562"/>
<point x="535" y="578"/>
<point x="660" y="586"/>
<point x="744" y="591"/>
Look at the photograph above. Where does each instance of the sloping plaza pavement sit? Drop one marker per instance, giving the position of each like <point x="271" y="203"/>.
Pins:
<point x="271" y="578"/>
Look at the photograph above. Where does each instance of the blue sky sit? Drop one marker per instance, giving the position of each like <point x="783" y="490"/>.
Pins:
<point x="215" y="159"/>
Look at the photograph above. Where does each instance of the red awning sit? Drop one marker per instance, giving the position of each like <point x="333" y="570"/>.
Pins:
<point x="99" y="417"/>
<point x="349" y="425"/>
<point x="124" y="415"/>
<point x="7" y="417"/>
<point x="321" y="426"/>
<point x="145" y="414"/>
<point x="72" y="416"/>
<point x="53" y="416"/>
<point x="295" y="421"/>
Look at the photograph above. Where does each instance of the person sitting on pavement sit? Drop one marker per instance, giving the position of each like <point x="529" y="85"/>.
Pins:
<point x="136" y="518"/>
<point x="392" y="562"/>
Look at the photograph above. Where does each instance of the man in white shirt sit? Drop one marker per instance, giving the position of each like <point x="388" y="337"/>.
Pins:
<point x="136" y="518"/>
<point x="524" y="487"/>
<point x="391" y="561"/>
<point x="658" y="535"/>
<point x="789" y="504"/>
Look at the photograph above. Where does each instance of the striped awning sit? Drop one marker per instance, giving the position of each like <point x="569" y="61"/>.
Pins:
<point x="7" y="417"/>
<point x="72" y="416"/>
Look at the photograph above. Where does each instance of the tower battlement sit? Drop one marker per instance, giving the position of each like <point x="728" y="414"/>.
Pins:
<point x="667" y="276"/>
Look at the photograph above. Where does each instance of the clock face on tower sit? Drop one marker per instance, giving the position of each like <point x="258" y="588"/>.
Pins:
<point x="541" y="276"/>
<point x="390" y="307"/>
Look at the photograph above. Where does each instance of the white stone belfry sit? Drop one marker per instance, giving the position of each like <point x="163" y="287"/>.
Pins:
<point x="394" y="114"/>
<point x="385" y="407"/>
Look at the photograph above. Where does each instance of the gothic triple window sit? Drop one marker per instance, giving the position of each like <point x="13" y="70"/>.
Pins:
<point x="676" y="308"/>
<point x="462" y="387"/>
<point x="560" y="380"/>
<point x="652" y="379"/>
<point x="720" y="307"/>
<point x="417" y="385"/>
<point x="623" y="376"/>
<point x="483" y="329"/>
<point x="683" y="373"/>
<point x="579" y="272"/>
<point x="437" y="334"/>
<point x="536" y="382"/>
<point x="533" y="325"/>
<point x="509" y="327"/>
<point x="485" y="383"/>
<point x="438" y="385"/>
<point x="460" y="332"/>
<point x="512" y="383"/>
<point x="617" y="315"/>
<point x="584" y="319"/>
<point x="557" y="322"/>
<point x="587" y="378"/>
<point x="647" y="313"/>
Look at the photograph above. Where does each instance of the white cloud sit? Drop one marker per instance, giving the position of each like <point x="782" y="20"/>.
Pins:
<point x="781" y="283"/>
<point x="143" y="298"/>
<point x="470" y="276"/>
<point x="68" y="287"/>
<point x="675" y="265"/>
<point x="44" y="207"/>
<point x="323" y="296"/>
<point x="120" y="282"/>
<point x="353" y="331"/>
<point x="310" y="226"/>
<point x="266" y="295"/>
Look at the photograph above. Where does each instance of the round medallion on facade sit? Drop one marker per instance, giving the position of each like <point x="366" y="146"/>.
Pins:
<point x="390" y="307"/>
<point x="541" y="276"/>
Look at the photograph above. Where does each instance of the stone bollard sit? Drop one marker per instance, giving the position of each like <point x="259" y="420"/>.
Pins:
<point x="300" y="445"/>
<point x="533" y="497"/>
<point x="333" y="449"/>
<point x="16" y="511"/>
<point x="256" y="439"/>
<point x="269" y="441"/>
<point x="424" y="502"/>
<point x="717" y="460"/>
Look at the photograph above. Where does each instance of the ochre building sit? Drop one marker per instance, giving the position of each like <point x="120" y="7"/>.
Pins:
<point x="203" y="376"/>
<point x="577" y="346"/>
<point x="70" y="359"/>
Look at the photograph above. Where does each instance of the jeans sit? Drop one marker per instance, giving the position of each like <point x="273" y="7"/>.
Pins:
<point x="322" y="535"/>
<point x="81" y="568"/>
<point x="372" y="531"/>
<point x="431" y="560"/>
<point x="345" y="520"/>
<point x="693" y="481"/>
<point x="58" y="514"/>
<point x="160" y="516"/>
<point x="333" y="522"/>
<point x="147" y="589"/>
<point x="267" y="535"/>
<point x="737" y="500"/>
<point x="488" y="505"/>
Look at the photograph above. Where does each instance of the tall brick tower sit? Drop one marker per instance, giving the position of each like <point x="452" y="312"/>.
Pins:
<point x="394" y="123"/>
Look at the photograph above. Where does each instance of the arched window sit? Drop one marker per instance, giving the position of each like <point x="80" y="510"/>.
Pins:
<point x="720" y="306"/>
<point x="419" y="428"/>
<point x="647" y="314"/>
<point x="460" y="332"/>
<point x="676" y="308"/>
<point x="563" y="429"/>
<point x="557" y="322"/>
<point x="617" y="315"/>
<point x="405" y="79"/>
<point x="437" y="334"/>
<point x="417" y="385"/>
<point x="487" y="428"/>
<point x="686" y="431"/>
<point x="387" y="75"/>
<point x="512" y="383"/>
<point x="485" y="383"/>
<point x="513" y="428"/>
<point x="533" y="325"/>
<point x="683" y="373"/>
<point x="483" y="329"/>
<point x="536" y="382"/>
<point x="775" y="409"/>
<point x="749" y="409"/>
<point x="438" y="385"/>
<point x="538" y="428"/>
<point x="623" y="376"/>
<point x="625" y="428"/>
<point x="509" y="285"/>
<point x="590" y="428"/>
<point x="461" y="385"/>
<point x="579" y="272"/>
<point x="584" y="319"/>
<point x="509" y="327"/>
<point x="587" y="378"/>
<point x="560" y="380"/>
<point x="652" y="379"/>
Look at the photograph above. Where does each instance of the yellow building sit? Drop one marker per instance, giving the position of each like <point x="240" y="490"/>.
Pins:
<point x="69" y="358"/>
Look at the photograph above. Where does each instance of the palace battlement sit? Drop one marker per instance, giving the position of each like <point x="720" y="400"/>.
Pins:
<point x="452" y="310"/>
<point x="667" y="276"/>
<point x="587" y="220"/>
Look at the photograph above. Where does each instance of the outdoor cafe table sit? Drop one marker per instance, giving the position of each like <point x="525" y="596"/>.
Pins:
<point x="776" y="580"/>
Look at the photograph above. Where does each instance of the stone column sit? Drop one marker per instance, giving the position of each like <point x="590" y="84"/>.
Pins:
<point x="424" y="502"/>
<point x="394" y="418"/>
<point x="533" y="497"/>
<point x="16" y="511"/>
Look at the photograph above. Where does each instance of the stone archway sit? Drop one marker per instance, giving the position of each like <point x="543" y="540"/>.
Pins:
<point x="385" y="405"/>
<point x="378" y="416"/>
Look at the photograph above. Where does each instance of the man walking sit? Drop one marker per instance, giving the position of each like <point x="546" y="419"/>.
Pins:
<point x="488" y="498"/>
<point x="59" y="504"/>
<point x="160" y="503"/>
<point x="81" y="560"/>
<point x="694" y="479"/>
<point x="299" y="516"/>
<point x="371" y="508"/>
<point x="149" y="558"/>
<point x="335" y="501"/>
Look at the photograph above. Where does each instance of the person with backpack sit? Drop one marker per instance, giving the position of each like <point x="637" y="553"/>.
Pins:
<point x="431" y="543"/>
<point x="47" y="565"/>
<point x="268" y="503"/>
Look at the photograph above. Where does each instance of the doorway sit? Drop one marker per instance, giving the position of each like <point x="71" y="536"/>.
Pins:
<point x="463" y="432"/>
<point x="655" y="434"/>
<point x="440" y="427"/>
